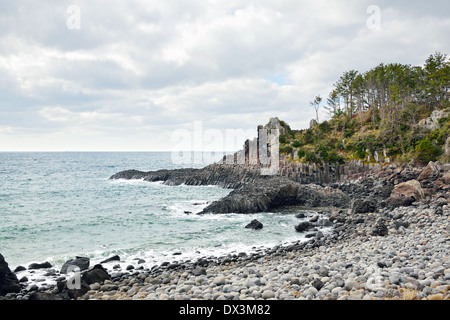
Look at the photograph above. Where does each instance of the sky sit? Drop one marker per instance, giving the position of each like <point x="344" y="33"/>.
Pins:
<point x="183" y="75"/>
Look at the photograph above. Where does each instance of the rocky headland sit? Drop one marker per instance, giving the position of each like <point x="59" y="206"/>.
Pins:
<point x="389" y="239"/>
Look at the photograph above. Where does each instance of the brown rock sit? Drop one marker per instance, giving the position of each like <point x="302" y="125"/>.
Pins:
<point x="446" y="178"/>
<point x="431" y="171"/>
<point x="404" y="194"/>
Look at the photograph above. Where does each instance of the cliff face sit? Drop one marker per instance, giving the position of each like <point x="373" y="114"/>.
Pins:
<point x="295" y="183"/>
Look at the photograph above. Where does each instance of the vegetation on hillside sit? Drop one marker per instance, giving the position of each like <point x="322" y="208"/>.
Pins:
<point x="377" y="112"/>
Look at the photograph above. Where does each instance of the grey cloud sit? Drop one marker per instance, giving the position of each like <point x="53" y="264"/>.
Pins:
<point x="138" y="66"/>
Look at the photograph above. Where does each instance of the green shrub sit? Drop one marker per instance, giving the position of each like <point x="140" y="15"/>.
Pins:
<point x="310" y="156"/>
<point x="286" y="149"/>
<point x="427" y="151"/>
<point x="301" y="153"/>
<point x="325" y="127"/>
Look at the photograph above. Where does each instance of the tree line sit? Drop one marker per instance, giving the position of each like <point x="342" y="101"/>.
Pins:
<point x="386" y="102"/>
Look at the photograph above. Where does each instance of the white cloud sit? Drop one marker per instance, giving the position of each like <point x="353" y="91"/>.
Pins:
<point x="141" y="68"/>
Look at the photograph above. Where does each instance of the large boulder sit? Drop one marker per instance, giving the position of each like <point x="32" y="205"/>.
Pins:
<point x="430" y="172"/>
<point x="447" y="148"/>
<point x="405" y="193"/>
<point x="432" y="122"/>
<point x="271" y="192"/>
<point x="96" y="274"/>
<point x="303" y="226"/>
<point x="80" y="262"/>
<point x="363" y="206"/>
<point x="254" y="225"/>
<point x="8" y="280"/>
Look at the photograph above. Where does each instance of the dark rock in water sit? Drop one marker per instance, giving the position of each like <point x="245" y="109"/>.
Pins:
<point x="380" y="229"/>
<point x="43" y="265"/>
<point x="8" y="280"/>
<point x="187" y="212"/>
<point x="304" y="226"/>
<point x="19" y="268"/>
<point x="80" y="262"/>
<point x="255" y="225"/>
<point x="226" y="176"/>
<point x="300" y="215"/>
<point x="96" y="274"/>
<point x="363" y="206"/>
<point x="113" y="258"/>
<point x="23" y="279"/>
<point x="130" y="267"/>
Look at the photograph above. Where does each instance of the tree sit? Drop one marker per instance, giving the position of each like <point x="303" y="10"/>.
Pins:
<point x="316" y="105"/>
<point x="345" y="87"/>
<point x="436" y="79"/>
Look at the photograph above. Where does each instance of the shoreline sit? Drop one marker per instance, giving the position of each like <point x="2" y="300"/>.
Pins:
<point x="389" y="240"/>
<point x="410" y="262"/>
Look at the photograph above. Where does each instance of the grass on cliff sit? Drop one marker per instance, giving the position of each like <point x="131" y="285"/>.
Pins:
<point x="342" y="139"/>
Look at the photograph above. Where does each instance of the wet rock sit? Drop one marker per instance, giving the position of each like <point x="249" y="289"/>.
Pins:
<point x="270" y="192"/>
<point x="8" y="280"/>
<point x="113" y="258"/>
<point x="81" y="262"/>
<point x="254" y="225"/>
<point x="19" y="268"/>
<point x="43" y="265"/>
<point x="96" y="274"/>
<point x="303" y="226"/>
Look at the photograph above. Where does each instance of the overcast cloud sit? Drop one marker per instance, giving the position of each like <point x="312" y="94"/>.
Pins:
<point x="132" y="72"/>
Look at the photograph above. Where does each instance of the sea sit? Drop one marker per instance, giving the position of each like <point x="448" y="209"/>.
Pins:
<point x="58" y="205"/>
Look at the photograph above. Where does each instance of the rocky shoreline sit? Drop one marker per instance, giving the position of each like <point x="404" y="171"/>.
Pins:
<point x="389" y="239"/>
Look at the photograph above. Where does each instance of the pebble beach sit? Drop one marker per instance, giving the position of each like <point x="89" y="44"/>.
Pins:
<point x="409" y="261"/>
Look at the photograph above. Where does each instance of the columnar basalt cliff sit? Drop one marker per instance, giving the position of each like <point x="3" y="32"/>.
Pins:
<point x="295" y="183"/>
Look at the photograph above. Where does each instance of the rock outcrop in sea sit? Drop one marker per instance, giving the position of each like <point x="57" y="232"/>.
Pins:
<point x="355" y="185"/>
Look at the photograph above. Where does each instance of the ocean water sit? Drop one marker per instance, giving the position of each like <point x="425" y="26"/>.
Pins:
<point x="58" y="205"/>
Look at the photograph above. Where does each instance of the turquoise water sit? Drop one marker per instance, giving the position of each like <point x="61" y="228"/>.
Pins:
<point x="56" y="205"/>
